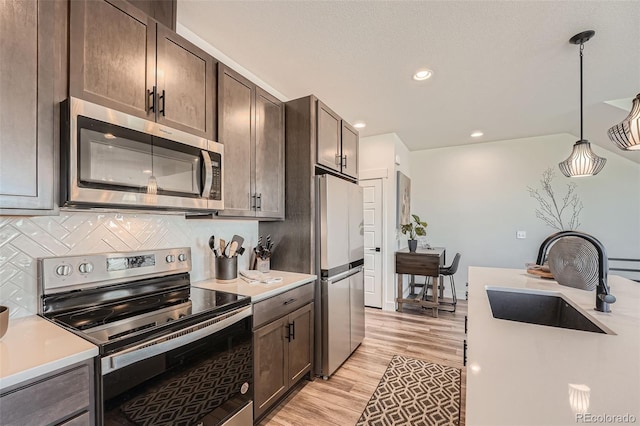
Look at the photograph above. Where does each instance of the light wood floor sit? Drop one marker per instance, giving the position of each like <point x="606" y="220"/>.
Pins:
<point x="341" y="399"/>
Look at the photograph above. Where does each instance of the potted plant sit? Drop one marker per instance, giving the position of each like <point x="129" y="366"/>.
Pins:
<point x="417" y="227"/>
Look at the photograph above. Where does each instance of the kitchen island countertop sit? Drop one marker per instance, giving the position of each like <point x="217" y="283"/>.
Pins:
<point x="259" y="291"/>
<point x="33" y="346"/>
<point x="528" y="374"/>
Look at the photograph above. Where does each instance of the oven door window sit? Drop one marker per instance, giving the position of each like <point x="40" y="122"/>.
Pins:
<point x="204" y="382"/>
<point x="117" y="158"/>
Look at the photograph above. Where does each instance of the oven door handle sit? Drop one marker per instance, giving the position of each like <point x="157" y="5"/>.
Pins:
<point x="172" y="340"/>
<point x="208" y="174"/>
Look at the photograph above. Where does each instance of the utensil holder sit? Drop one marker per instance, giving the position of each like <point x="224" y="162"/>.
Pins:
<point x="4" y="320"/>
<point x="227" y="268"/>
<point x="263" y="265"/>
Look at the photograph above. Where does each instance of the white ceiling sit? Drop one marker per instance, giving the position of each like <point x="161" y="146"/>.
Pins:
<point x="504" y="67"/>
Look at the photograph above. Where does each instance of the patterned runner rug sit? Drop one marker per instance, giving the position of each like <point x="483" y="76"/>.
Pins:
<point x="414" y="392"/>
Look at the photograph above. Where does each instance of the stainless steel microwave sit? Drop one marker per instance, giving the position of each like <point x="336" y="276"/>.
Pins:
<point x="112" y="159"/>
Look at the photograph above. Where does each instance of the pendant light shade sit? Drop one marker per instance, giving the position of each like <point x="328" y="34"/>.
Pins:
<point x="582" y="161"/>
<point x="626" y="135"/>
<point x="152" y="185"/>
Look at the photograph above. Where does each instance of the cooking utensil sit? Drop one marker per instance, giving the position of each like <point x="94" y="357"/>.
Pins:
<point x="212" y="245"/>
<point x="232" y="249"/>
<point x="223" y="246"/>
<point x="238" y="239"/>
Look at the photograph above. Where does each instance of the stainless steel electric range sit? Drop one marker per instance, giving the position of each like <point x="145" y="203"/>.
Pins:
<point x="170" y="354"/>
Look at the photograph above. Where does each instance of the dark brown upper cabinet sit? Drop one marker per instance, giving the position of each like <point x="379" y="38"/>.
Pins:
<point x="185" y="78"/>
<point x="34" y="74"/>
<point x="269" y="154"/>
<point x="123" y="59"/>
<point x="328" y="148"/>
<point x="251" y="127"/>
<point x="349" y="149"/>
<point x="337" y="142"/>
<point x="163" y="11"/>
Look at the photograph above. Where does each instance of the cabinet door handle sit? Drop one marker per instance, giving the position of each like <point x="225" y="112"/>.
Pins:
<point x="338" y="160"/>
<point x="151" y="98"/>
<point x="164" y="100"/>
<point x="293" y="330"/>
<point x="253" y="202"/>
<point x="464" y="353"/>
<point x="259" y="201"/>
<point x="290" y="301"/>
<point x="345" y="162"/>
<point x="289" y="335"/>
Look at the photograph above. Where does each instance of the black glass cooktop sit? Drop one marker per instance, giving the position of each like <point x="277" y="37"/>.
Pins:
<point x="127" y="314"/>
<point x="201" y="301"/>
<point x="204" y="300"/>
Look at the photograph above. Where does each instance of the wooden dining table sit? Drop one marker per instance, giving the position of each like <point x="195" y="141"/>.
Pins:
<point x="424" y="262"/>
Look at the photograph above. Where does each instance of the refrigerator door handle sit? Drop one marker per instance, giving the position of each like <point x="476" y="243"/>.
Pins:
<point x="343" y="275"/>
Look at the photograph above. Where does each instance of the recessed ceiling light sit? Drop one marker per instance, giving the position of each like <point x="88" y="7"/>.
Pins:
<point x="477" y="134"/>
<point x="359" y="124"/>
<point x="422" y="75"/>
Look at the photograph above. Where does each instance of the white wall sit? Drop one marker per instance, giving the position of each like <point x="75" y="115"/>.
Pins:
<point x="376" y="157"/>
<point x="475" y="198"/>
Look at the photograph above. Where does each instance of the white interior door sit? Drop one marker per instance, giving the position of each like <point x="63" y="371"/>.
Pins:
<point x="373" y="250"/>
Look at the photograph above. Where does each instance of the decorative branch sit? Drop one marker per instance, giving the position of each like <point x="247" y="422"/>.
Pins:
<point x="549" y="211"/>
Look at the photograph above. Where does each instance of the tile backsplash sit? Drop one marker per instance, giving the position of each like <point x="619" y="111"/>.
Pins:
<point x="24" y="239"/>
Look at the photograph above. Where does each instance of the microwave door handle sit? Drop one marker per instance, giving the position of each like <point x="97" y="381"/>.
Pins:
<point x="208" y="174"/>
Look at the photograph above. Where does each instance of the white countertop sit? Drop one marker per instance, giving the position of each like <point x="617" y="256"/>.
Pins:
<point x="520" y="374"/>
<point x="259" y="291"/>
<point x="34" y="346"/>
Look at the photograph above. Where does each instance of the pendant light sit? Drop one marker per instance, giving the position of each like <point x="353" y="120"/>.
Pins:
<point x="582" y="161"/>
<point x="626" y="135"/>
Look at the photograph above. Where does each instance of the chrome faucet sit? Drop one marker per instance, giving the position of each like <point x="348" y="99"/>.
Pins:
<point x="603" y="295"/>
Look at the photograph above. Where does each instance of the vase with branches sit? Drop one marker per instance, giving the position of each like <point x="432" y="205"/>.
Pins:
<point x="414" y="228"/>
<point x="563" y="213"/>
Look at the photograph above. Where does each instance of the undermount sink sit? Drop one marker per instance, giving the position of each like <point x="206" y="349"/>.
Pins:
<point x="542" y="308"/>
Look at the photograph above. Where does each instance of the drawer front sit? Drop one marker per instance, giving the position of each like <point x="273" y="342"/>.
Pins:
<point x="83" y="419"/>
<point x="49" y="400"/>
<point x="417" y="264"/>
<point x="282" y="304"/>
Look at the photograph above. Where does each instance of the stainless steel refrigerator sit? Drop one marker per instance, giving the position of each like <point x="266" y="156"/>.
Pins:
<point x="340" y="246"/>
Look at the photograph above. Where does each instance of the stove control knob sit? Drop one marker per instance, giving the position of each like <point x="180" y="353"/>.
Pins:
<point x="63" y="270"/>
<point x="182" y="257"/>
<point x="170" y="258"/>
<point x="85" y="268"/>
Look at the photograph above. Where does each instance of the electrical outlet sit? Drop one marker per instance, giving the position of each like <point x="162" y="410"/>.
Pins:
<point x="521" y="235"/>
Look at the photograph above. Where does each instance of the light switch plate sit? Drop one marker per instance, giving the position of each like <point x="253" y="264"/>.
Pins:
<point x="521" y="235"/>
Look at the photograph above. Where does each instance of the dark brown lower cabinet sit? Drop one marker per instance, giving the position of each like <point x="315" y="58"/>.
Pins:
<point x="283" y="351"/>
<point x="64" y="397"/>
